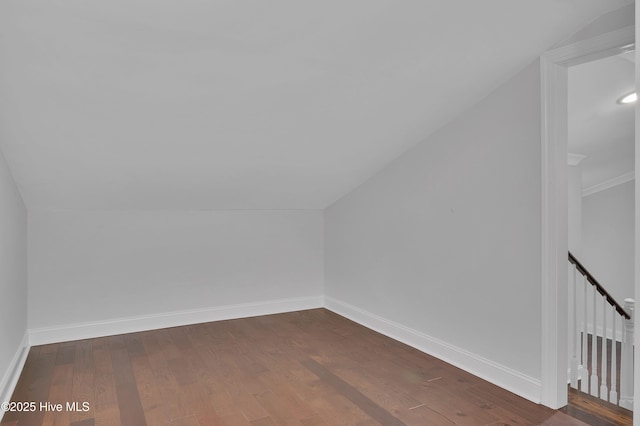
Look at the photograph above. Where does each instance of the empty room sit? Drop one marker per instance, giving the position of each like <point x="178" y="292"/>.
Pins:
<point x="306" y="213"/>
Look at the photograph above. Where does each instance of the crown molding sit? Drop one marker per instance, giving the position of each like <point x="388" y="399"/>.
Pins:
<point x="627" y="177"/>
<point x="575" y="159"/>
<point x="611" y="43"/>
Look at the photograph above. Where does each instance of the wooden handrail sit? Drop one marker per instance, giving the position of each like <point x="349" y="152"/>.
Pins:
<point x="598" y="286"/>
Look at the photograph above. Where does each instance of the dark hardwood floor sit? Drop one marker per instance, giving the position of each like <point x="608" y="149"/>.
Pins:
<point x="303" y="368"/>
<point x="593" y="410"/>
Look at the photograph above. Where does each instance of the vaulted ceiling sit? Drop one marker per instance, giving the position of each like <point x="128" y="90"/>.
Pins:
<point x="226" y="104"/>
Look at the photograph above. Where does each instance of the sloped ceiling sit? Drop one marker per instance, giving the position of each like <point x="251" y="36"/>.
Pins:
<point x="226" y="104"/>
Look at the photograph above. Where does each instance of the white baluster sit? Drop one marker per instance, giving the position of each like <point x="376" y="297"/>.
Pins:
<point x="574" y="335"/>
<point x="604" y="391"/>
<point x="584" y="376"/>
<point x="626" y="358"/>
<point x="594" y="348"/>
<point x="613" y="393"/>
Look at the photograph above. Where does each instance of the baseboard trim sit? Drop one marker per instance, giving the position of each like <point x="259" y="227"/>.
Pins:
<point x="500" y="375"/>
<point x="11" y="376"/>
<point x="88" y="330"/>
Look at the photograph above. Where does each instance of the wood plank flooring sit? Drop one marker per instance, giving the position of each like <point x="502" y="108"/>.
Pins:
<point x="303" y="368"/>
<point x="596" y="412"/>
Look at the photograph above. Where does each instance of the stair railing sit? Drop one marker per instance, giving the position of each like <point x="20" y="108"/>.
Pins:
<point x="589" y="370"/>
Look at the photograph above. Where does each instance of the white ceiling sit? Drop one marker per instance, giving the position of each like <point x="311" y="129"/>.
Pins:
<point x="599" y="127"/>
<point x="227" y="104"/>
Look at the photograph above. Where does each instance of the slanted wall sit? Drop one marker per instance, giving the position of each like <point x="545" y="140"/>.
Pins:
<point x="443" y="246"/>
<point x="13" y="278"/>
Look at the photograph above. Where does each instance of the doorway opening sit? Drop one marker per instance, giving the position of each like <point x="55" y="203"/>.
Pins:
<point x="554" y="84"/>
<point x="601" y="234"/>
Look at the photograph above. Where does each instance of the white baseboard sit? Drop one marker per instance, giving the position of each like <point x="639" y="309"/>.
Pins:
<point x="500" y="375"/>
<point x="88" y="330"/>
<point x="11" y="376"/>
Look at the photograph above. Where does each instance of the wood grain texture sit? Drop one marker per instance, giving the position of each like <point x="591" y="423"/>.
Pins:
<point x="367" y="405"/>
<point x="302" y="368"/>
<point x="596" y="412"/>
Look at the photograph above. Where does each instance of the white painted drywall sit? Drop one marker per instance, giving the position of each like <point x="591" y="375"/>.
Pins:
<point x="123" y="105"/>
<point x="13" y="273"/>
<point x="446" y="240"/>
<point x="608" y="231"/>
<point x="574" y="205"/>
<point x="610" y="21"/>
<point x="574" y="222"/>
<point x="607" y="245"/>
<point x="102" y="265"/>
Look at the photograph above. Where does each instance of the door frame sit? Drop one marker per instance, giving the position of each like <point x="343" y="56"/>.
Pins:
<point x="554" y="242"/>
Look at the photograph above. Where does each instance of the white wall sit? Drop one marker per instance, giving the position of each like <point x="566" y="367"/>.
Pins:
<point x="13" y="277"/>
<point x="574" y="205"/>
<point x="606" y="23"/>
<point x="99" y="265"/>
<point x="446" y="240"/>
<point x="574" y="223"/>
<point x="608" y="238"/>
